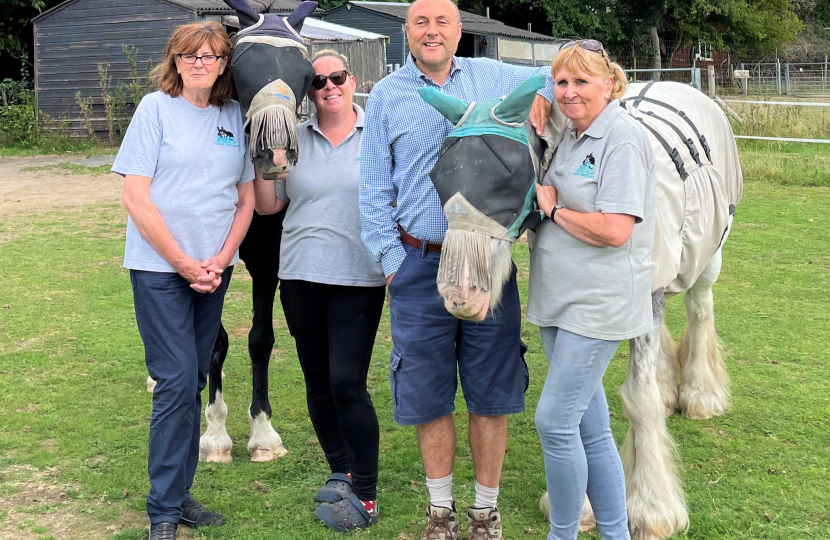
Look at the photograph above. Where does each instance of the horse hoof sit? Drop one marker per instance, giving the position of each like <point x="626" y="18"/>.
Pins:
<point x="586" y="525"/>
<point x="702" y="407"/>
<point x="646" y="535"/>
<point x="151" y="384"/>
<point x="262" y="455"/>
<point x="215" y="455"/>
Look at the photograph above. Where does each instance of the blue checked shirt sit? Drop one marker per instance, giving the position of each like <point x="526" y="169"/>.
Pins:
<point x="401" y="141"/>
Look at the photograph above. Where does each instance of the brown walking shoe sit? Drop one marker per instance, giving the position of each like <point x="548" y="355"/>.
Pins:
<point x="442" y="524"/>
<point x="485" y="523"/>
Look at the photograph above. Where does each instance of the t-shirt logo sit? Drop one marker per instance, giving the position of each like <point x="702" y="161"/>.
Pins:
<point x="587" y="168"/>
<point x="225" y="138"/>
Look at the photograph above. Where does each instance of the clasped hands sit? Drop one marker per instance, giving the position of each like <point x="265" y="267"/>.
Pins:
<point x="204" y="276"/>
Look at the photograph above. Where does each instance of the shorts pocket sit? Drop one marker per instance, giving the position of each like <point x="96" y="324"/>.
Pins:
<point x="400" y="271"/>
<point x="394" y="369"/>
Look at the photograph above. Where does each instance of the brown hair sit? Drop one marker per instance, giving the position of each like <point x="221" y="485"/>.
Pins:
<point x="188" y="39"/>
<point x="575" y="59"/>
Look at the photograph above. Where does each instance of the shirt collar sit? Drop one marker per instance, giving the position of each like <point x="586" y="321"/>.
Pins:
<point x="412" y="64"/>
<point x="313" y="122"/>
<point x="599" y="127"/>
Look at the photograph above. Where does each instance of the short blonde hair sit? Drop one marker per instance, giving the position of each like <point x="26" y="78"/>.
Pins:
<point x="576" y="59"/>
<point x="332" y="53"/>
<point x="187" y="39"/>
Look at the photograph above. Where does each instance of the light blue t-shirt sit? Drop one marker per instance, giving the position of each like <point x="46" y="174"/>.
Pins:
<point x="195" y="157"/>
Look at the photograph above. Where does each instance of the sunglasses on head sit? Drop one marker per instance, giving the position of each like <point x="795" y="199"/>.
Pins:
<point x="337" y="79"/>
<point x="591" y="45"/>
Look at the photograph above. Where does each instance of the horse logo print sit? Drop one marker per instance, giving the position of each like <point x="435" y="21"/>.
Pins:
<point x="225" y="137"/>
<point x="587" y="168"/>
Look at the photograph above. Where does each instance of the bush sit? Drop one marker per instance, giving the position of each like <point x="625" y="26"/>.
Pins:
<point x="17" y="122"/>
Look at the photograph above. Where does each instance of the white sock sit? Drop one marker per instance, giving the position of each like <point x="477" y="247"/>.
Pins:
<point x="486" y="497"/>
<point x="440" y="491"/>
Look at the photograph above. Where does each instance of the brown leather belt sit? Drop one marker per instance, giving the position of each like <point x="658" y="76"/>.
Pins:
<point x="410" y="240"/>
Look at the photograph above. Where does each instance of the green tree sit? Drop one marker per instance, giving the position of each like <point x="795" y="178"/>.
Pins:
<point x="16" y="33"/>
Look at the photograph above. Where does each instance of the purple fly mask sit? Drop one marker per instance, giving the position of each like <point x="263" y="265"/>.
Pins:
<point x="272" y="73"/>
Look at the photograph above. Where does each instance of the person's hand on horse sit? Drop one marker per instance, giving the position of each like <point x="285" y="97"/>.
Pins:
<point x="545" y="198"/>
<point x="539" y="114"/>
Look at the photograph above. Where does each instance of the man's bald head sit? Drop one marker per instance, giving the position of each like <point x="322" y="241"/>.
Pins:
<point x="428" y="4"/>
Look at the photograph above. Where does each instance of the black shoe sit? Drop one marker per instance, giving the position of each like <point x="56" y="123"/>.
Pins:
<point x="195" y="515"/>
<point x="165" y="530"/>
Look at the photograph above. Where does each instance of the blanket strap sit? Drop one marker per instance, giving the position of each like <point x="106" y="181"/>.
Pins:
<point x="681" y="114"/>
<point x="687" y="140"/>
<point x="672" y="152"/>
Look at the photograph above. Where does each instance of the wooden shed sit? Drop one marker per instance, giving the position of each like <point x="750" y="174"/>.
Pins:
<point x="73" y="38"/>
<point x="480" y="36"/>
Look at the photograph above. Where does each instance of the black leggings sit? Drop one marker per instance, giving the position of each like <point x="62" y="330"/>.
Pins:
<point x="334" y="327"/>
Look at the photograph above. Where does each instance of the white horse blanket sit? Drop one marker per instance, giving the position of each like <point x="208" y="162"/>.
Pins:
<point x="699" y="178"/>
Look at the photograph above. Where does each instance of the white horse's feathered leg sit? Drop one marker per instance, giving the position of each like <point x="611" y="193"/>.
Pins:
<point x="704" y="387"/>
<point x="668" y="371"/>
<point x="655" y="500"/>
<point x="215" y="445"/>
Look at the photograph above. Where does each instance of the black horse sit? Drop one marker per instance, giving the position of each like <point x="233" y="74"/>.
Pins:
<point x="260" y="251"/>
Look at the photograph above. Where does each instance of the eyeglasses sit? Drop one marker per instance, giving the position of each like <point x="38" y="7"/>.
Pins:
<point x="338" y="78"/>
<point x="207" y="60"/>
<point x="591" y="45"/>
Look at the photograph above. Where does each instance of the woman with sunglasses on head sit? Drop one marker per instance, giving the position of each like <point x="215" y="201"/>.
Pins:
<point x="331" y="291"/>
<point x="189" y="196"/>
<point x="590" y="283"/>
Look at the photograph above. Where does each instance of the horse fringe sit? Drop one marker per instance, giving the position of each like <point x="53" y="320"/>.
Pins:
<point x="274" y="128"/>
<point x="462" y="246"/>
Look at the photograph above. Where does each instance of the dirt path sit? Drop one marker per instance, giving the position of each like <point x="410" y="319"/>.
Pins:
<point x="34" y="192"/>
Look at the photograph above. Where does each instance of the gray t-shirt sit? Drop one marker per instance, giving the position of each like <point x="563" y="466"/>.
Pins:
<point x="321" y="232"/>
<point x="195" y="157"/>
<point x="598" y="292"/>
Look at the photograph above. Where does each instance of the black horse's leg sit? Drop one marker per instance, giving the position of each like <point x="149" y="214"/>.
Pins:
<point x="215" y="444"/>
<point x="265" y="443"/>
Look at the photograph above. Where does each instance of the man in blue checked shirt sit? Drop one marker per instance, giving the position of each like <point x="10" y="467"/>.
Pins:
<point x="401" y="141"/>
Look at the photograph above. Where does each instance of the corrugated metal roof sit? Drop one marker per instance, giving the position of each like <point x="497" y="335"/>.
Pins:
<point x="318" y="29"/>
<point x="260" y="6"/>
<point x="472" y="23"/>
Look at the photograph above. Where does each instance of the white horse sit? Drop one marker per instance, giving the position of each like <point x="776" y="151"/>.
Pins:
<point x="699" y="182"/>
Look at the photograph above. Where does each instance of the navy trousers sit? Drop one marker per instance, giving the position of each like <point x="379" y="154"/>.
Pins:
<point x="178" y="326"/>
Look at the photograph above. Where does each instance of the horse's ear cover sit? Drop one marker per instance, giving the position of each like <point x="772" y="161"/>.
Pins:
<point x="516" y="106"/>
<point x="247" y="16"/>
<point x="451" y="108"/>
<point x="297" y="17"/>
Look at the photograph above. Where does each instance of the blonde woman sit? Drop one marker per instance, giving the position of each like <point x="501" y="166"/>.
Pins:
<point x="590" y="283"/>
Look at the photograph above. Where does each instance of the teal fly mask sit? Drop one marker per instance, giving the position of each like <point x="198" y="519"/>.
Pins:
<point x="486" y="178"/>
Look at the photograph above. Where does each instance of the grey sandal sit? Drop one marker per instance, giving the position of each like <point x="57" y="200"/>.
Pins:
<point x="347" y="514"/>
<point x="338" y="487"/>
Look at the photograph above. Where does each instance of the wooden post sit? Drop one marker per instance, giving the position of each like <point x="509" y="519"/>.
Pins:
<point x="5" y="101"/>
<point x="710" y="74"/>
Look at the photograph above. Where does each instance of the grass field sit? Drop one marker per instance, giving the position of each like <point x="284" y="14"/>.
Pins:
<point x="73" y="435"/>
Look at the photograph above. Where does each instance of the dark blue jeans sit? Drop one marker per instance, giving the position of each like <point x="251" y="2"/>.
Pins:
<point x="178" y="326"/>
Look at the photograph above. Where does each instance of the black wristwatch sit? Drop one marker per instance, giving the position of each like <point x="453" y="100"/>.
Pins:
<point x="553" y="212"/>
